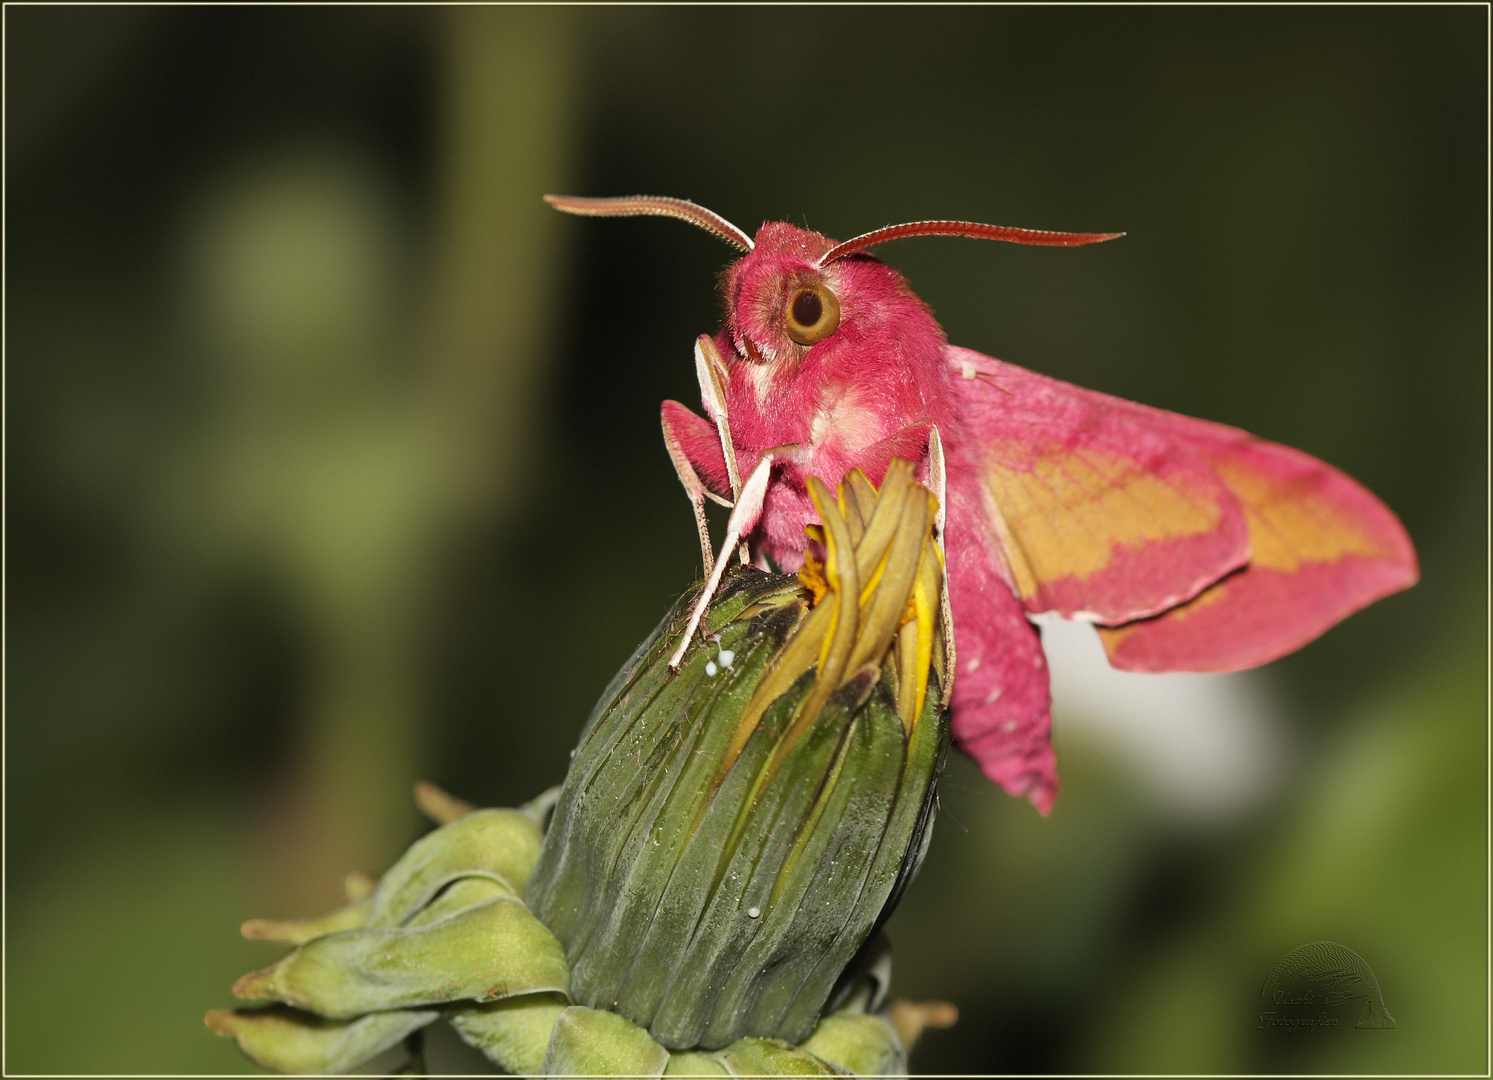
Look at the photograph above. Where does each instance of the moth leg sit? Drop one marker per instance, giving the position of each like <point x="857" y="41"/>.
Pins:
<point x="938" y="481"/>
<point x="743" y="519"/>
<point x="693" y="487"/>
<point x="709" y="370"/>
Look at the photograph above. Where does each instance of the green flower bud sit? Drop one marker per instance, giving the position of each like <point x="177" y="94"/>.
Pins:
<point x="730" y="834"/>
<point x="728" y="839"/>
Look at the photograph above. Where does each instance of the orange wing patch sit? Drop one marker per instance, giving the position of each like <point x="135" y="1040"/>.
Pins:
<point x="1292" y="522"/>
<point x="1097" y="517"/>
<point x="1065" y="516"/>
<point x="1323" y="547"/>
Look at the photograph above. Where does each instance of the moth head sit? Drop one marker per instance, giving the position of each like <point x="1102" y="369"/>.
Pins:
<point x="794" y="289"/>
<point x="780" y="302"/>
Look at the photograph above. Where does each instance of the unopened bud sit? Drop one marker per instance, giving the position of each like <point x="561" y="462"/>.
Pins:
<point x="730" y="833"/>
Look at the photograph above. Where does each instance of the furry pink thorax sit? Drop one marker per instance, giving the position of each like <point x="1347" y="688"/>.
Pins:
<point x="867" y="393"/>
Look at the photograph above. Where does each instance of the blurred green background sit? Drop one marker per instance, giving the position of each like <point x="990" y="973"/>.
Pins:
<point x="333" y="462"/>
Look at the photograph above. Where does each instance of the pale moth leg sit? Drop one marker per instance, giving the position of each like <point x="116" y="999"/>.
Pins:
<point x="938" y="481"/>
<point x="708" y="369"/>
<point x="743" y="519"/>
<point x="694" y="488"/>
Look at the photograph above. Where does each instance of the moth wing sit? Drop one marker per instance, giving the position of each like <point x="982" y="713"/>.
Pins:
<point x="1001" y="702"/>
<point x="697" y="438"/>
<point x="1322" y="548"/>
<point x="1097" y="515"/>
<point x="1318" y="545"/>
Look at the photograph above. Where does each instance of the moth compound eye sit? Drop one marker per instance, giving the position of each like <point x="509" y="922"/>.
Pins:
<point x="813" y="313"/>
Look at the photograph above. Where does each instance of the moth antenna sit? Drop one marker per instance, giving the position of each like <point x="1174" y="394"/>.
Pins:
<point x="653" y="206"/>
<point x="965" y="228"/>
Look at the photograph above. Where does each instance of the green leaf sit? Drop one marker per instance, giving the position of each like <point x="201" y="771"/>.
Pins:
<point x="514" y="1033"/>
<point x="693" y="1063"/>
<point x="457" y="897"/>
<point x="592" y="1042"/>
<point x="773" y="1057"/>
<point x="490" y="951"/>
<point x="500" y="844"/>
<point x="349" y="916"/>
<point x="291" y="1041"/>
<point x="859" y="1042"/>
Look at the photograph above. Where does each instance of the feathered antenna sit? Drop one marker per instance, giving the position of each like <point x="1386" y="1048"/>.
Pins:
<point x="965" y="228"/>
<point x="653" y="206"/>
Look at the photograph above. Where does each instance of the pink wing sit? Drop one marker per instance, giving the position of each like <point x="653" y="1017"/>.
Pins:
<point x="1319" y="546"/>
<point x="1001" y="702"/>
<point x="1097" y="515"/>
<point x="1060" y="503"/>
<point x="1322" y="547"/>
<point x="701" y="443"/>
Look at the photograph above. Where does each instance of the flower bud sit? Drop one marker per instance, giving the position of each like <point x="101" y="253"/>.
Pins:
<point x="730" y="833"/>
